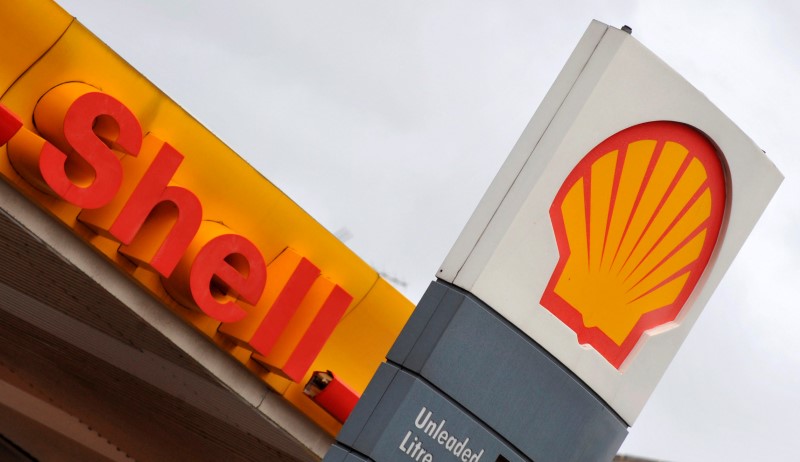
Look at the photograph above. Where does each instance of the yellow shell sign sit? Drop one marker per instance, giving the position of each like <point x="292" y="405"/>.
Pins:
<point x="636" y="222"/>
<point x="103" y="151"/>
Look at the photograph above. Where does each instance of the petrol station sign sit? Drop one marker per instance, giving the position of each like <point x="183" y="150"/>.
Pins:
<point x="579" y="274"/>
<point x="103" y="151"/>
<point x="614" y="217"/>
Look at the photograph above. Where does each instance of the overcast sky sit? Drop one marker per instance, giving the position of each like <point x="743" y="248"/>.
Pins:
<point x="389" y="120"/>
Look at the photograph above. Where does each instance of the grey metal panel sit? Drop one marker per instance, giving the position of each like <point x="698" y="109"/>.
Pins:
<point x="413" y="417"/>
<point x="540" y="407"/>
<point x="336" y="454"/>
<point x="366" y="405"/>
<point x="425" y="343"/>
<point x="342" y="454"/>
<point x="381" y="416"/>
<point x="416" y="323"/>
<point x="353" y="457"/>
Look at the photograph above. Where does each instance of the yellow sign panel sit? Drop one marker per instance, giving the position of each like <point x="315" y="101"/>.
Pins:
<point x="110" y="156"/>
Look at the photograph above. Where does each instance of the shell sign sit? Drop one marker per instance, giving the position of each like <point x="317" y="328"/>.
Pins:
<point x="636" y="222"/>
<point x="109" y="156"/>
<point x="614" y="217"/>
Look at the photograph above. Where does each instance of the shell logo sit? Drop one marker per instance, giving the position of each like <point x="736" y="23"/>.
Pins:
<point x="635" y="222"/>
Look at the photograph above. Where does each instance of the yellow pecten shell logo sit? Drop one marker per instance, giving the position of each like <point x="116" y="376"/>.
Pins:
<point x="636" y="222"/>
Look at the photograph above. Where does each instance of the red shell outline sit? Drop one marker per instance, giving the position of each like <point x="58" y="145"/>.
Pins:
<point x="660" y="131"/>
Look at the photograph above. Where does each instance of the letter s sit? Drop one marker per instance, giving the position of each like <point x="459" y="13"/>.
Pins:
<point x="84" y="124"/>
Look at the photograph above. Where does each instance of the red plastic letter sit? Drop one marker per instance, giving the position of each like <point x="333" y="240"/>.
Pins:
<point x="9" y="124"/>
<point x="285" y="306"/>
<point x="226" y="268"/>
<point x="317" y="334"/>
<point x="151" y="191"/>
<point x="92" y="122"/>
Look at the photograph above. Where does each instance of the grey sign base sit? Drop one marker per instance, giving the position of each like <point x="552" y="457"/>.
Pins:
<point x="459" y="368"/>
<point x="402" y="419"/>
<point x="341" y="454"/>
<point x="463" y="348"/>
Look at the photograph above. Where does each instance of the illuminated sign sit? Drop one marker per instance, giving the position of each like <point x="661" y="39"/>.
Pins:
<point x="635" y="222"/>
<point x="205" y="265"/>
<point x="104" y="152"/>
<point x="614" y="217"/>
